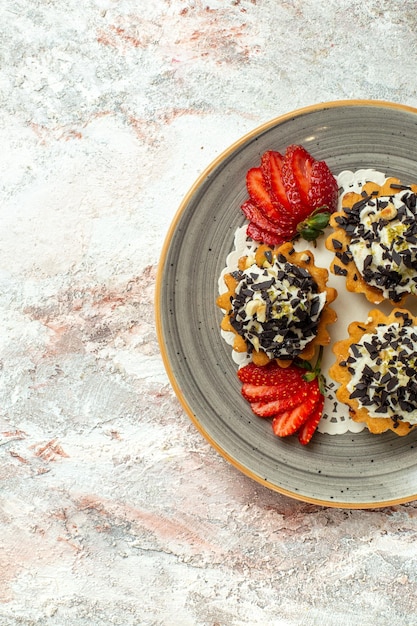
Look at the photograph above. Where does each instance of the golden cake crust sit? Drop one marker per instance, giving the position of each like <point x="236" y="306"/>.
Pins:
<point x="303" y="259"/>
<point x="341" y="374"/>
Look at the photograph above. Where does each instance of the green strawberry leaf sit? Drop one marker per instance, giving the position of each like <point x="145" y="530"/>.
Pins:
<point x="313" y="372"/>
<point x="312" y="227"/>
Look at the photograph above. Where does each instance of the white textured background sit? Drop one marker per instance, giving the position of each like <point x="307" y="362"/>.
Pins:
<point x="113" y="509"/>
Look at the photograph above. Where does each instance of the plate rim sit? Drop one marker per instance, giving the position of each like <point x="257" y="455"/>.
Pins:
<point x="158" y="295"/>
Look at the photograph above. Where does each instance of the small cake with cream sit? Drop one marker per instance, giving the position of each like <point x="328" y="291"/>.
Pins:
<point x="376" y="369"/>
<point x="277" y="305"/>
<point x="375" y="241"/>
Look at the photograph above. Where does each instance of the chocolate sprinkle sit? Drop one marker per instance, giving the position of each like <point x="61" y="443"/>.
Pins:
<point x="393" y="393"/>
<point x="291" y="306"/>
<point x="397" y="186"/>
<point x="339" y="271"/>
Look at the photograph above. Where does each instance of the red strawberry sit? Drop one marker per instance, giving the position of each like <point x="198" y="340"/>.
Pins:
<point x="291" y="195"/>
<point x="292" y="396"/>
<point x="309" y="183"/>
<point x="324" y="189"/>
<point x="288" y="422"/>
<point x="259" y="193"/>
<point x="254" y="214"/>
<point x="271" y="165"/>
<point x="270" y="374"/>
<point x="268" y="393"/>
<point x="269" y="237"/>
<point x="269" y="409"/>
<point x="310" y="425"/>
<point x="296" y="173"/>
<point x="258" y="217"/>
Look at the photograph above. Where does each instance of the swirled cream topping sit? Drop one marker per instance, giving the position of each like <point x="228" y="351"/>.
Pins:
<point x="383" y="243"/>
<point x="383" y="367"/>
<point x="276" y="308"/>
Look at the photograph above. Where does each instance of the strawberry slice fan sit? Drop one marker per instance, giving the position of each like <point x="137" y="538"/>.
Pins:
<point x="290" y="195"/>
<point x="292" y="396"/>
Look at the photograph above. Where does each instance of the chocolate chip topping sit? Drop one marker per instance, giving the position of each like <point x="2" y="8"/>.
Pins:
<point x="384" y="376"/>
<point x="383" y="242"/>
<point x="276" y="309"/>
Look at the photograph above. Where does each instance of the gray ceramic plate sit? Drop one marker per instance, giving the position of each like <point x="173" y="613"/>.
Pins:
<point x="350" y="470"/>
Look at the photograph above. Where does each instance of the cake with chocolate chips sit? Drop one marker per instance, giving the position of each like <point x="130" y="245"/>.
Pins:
<point x="375" y="241"/>
<point x="277" y="305"/>
<point x="376" y="369"/>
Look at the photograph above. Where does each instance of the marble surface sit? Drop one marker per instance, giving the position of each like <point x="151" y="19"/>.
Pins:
<point x="113" y="509"/>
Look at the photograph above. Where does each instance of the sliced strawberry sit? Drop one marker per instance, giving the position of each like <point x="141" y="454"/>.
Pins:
<point x="293" y="396"/>
<point x="323" y="191"/>
<point x="284" y="192"/>
<point x="289" y="402"/>
<point x="310" y="425"/>
<point x="301" y="162"/>
<point x="268" y="237"/>
<point x="267" y="393"/>
<point x="271" y="165"/>
<point x="309" y="183"/>
<point x="290" y="421"/>
<point x="259" y="193"/>
<point x="296" y="173"/>
<point x="270" y="374"/>
<point x="258" y="217"/>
